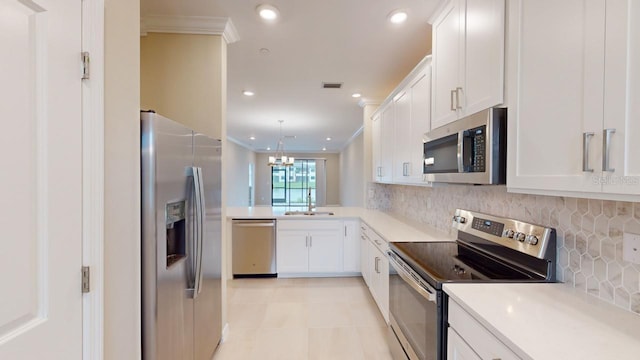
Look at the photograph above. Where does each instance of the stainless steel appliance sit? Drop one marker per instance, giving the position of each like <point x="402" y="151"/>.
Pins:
<point x="487" y="249"/>
<point x="181" y="241"/>
<point x="472" y="150"/>
<point x="254" y="248"/>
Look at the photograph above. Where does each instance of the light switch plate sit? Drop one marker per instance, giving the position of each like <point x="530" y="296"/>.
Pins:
<point x="631" y="248"/>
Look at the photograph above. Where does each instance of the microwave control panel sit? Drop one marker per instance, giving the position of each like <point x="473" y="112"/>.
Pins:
<point x="477" y="137"/>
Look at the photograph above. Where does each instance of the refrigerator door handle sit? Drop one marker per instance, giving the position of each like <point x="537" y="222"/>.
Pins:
<point x="196" y="260"/>
<point x="200" y="247"/>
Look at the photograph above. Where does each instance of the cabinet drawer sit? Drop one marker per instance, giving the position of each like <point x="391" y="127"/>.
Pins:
<point x="379" y="242"/>
<point x="309" y="225"/>
<point x="481" y="340"/>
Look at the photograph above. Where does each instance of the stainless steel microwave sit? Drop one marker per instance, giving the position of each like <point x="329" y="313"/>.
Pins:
<point x="472" y="150"/>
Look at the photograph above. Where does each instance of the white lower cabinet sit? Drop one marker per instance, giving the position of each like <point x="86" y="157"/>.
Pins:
<point x="309" y="246"/>
<point x="457" y="349"/>
<point x="468" y="339"/>
<point x="375" y="269"/>
<point x="351" y="246"/>
<point x="317" y="247"/>
<point x="364" y="254"/>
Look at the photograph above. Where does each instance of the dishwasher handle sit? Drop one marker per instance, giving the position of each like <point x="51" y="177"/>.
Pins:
<point x="253" y="224"/>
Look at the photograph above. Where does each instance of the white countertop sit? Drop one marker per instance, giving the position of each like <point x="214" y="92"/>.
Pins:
<point x="551" y="321"/>
<point x="392" y="228"/>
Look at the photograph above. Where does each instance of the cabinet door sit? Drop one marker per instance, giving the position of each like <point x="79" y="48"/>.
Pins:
<point x="351" y="246"/>
<point x="457" y="349"/>
<point x="386" y="143"/>
<point x="379" y="265"/>
<point x="292" y="251"/>
<point x="555" y="93"/>
<point x="325" y="251"/>
<point x="483" y="54"/>
<point x="383" y="286"/>
<point x="420" y="123"/>
<point x="375" y="148"/>
<point x="447" y="39"/>
<point x="402" y="141"/>
<point x="364" y="257"/>
<point x="621" y="96"/>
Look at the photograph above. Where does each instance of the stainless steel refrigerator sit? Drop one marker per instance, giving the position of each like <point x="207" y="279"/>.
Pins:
<point x="181" y="241"/>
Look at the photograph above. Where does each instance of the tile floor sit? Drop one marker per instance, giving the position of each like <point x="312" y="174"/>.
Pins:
<point x="310" y="318"/>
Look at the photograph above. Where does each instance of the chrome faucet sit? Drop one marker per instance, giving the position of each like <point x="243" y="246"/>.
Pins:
<point x="309" y="206"/>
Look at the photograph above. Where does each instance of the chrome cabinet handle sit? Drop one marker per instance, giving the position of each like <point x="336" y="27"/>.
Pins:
<point x="606" y="149"/>
<point x="375" y="266"/>
<point x="345" y="230"/>
<point x="460" y="150"/>
<point x="452" y="95"/>
<point x="458" y="106"/>
<point x="586" y="137"/>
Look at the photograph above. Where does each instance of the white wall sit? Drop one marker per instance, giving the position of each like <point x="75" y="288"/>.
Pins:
<point x="352" y="173"/>
<point x="122" y="181"/>
<point x="238" y="158"/>
<point x="263" y="176"/>
<point x="183" y="78"/>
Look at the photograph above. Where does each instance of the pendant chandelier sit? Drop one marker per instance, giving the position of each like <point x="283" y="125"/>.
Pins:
<point x="280" y="158"/>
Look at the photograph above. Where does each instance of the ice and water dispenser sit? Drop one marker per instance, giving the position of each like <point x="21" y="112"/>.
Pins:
<point x="176" y="232"/>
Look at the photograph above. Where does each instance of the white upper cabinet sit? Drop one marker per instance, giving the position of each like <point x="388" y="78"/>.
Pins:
<point x="382" y="143"/>
<point x="398" y="127"/>
<point x="622" y="96"/>
<point x="376" y="128"/>
<point x="413" y="114"/>
<point x="572" y="89"/>
<point x="468" y="59"/>
<point x="386" y="144"/>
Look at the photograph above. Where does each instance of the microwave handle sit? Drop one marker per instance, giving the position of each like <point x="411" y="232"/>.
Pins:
<point x="461" y="151"/>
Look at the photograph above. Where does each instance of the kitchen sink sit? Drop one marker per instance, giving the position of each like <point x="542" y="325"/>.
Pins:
<point x="308" y="213"/>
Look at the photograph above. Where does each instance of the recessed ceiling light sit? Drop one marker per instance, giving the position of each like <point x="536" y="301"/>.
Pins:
<point x="267" y="12"/>
<point x="268" y="148"/>
<point x="248" y="93"/>
<point x="398" y="16"/>
<point x="329" y="139"/>
<point x="324" y="149"/>
<point x="252" y="137"/>
<point x="356" y="95"/>
<point x="264" y="51"/>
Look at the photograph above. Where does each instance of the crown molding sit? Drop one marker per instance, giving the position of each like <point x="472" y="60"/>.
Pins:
<point x="364" y="102"/>
<point x="352" y="138"/>
<point x="240" y="143"/>
<point x="202" y="25"/>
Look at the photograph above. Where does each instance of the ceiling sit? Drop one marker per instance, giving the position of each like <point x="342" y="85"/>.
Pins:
<point x="345" y="41"/>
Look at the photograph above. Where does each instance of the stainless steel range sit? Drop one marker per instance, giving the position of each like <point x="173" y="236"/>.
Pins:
<point x="487" y="249"/>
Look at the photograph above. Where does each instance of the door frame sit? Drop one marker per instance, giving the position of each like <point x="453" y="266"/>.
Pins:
<point x="93" y="179"/>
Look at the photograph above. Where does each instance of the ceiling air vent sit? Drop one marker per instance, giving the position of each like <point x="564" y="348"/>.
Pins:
<point x="329" y="85"/>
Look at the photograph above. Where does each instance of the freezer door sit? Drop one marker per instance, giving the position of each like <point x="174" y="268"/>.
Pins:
<point x="167" y="201"/>
<point x="208" y="303"/>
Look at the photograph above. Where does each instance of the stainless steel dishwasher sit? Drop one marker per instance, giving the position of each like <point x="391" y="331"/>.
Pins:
<point x="254" y="248"/>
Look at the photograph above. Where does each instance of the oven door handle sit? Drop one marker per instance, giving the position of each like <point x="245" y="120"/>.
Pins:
<point x="425" y="290"/>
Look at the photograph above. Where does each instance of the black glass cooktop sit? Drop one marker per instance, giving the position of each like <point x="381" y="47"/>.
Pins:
<point x="442" y="262"/>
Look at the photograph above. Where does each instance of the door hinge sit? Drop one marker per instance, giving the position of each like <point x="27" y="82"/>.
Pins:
<point x="86" y="73"/>
<point x="86" y="279"/>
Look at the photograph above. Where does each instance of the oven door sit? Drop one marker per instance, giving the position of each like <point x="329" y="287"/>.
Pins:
<point x="415" y="312"/>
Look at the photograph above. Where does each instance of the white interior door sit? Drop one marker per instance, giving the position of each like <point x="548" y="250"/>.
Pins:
<point x="40" y="181"/>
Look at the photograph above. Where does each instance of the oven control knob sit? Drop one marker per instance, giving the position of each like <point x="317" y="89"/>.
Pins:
<point x="509" y="233"/>
<point x="520" y="236"/>
<point x="459" y="219"/>
<point x="532" y="239"/>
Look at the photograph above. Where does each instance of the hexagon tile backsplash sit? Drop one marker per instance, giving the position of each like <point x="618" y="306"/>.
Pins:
<point x="589" y="231"/>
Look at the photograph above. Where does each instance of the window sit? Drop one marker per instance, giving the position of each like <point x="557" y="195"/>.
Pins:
<point x="290" y="185"/>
